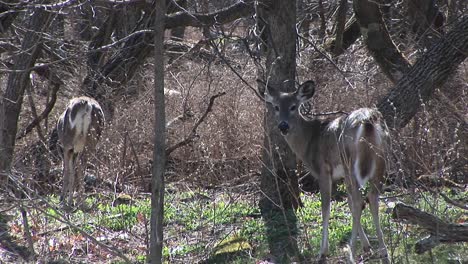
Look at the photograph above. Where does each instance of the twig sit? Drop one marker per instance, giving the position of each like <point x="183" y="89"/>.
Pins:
<point x="327" y="58"/>
<point x="459" y="115"/>
<point x="61" y="219"/>
<point x="20" y="187"/>
<point x="27" y="230"/>
<point x="66" y="227"/>
<point x="43" y="115"/>
<point x="452" y="202"/>
<point x="233" y="70"/>
<point x="193" y="133"/>
<point x="137" y="160"/>
<point x="34" y="112"/>
<point x="330" y="113"/>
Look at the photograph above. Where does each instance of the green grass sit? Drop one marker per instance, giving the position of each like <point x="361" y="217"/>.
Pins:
<point x="210" y="225"/>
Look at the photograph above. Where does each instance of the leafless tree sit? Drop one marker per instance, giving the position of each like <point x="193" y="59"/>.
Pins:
<point x="159" y="148"/>
<point x="277" y="21"/>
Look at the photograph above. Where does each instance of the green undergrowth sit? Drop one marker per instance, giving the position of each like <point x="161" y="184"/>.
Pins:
<point x="219" y="227"/>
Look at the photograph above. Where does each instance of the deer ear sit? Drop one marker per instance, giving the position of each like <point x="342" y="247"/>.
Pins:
<point x="265" y="91"/>
<point x="305" y="91"/>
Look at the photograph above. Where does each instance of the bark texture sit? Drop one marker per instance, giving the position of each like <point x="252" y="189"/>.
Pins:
<point x="351" y="33"/>
<point x="340" y="26"/>
<point x="440" y="231"/>
<point x="10" y="104"/>
<point x="430" y="71"/>
<point x="159" y="148"/>
<point x="378" y="41"/>
<point x="278" y="180"/>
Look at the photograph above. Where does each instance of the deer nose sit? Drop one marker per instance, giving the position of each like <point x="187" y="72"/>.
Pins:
<point x="283" y="127"/>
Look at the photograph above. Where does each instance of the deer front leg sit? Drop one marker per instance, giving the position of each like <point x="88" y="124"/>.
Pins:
<point x="325" y="186"/>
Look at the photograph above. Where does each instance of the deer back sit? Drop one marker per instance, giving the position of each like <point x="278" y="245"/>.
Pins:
<point x="361" y="139"/>
<point x="80" y="125"/>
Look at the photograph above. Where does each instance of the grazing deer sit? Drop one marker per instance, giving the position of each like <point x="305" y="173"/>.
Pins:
<point x="351" y="146"/>
<point x="79" y="129"/>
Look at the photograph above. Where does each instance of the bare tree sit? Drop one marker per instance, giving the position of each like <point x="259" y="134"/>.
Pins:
<point x="159" y="149"/>
<point x="18" y="80"/>
<point x="278" y="181"/>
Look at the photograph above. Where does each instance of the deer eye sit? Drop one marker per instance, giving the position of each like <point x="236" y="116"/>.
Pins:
<point x="276" y="108"/>
<point x="292" y="108"/>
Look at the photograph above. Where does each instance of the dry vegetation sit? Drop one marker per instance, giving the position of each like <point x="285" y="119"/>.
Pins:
<point x="430" y="154"/>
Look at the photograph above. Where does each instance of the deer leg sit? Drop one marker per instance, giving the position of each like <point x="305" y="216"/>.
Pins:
<point x="72" y="180"/>
<point x="66" y="174"/>
<point x="80" y="174"/>
<point x="355" y="205"/>
<point x="325" y="186"/>
<point x="373" y="197"/>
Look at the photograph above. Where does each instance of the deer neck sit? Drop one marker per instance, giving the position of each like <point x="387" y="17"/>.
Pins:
<point x="305" y="138"/>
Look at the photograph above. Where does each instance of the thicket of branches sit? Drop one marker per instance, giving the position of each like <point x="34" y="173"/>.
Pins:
<point x="51" y="52"/>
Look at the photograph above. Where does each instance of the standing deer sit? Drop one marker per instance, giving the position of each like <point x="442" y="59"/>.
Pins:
<point x="351" y="146"/>
<point x="79" y="129"/>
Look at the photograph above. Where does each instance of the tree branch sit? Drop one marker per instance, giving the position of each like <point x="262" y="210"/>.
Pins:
<point x="225" y="15"/>
<point x="50" y="105"/>
<point x="378" y="41"/>
<point x="441" y="232"/>
<point x="429" y="72"/>
<point x="193" y="133"/>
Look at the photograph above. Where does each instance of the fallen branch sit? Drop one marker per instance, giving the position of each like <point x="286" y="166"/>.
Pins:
<point x="193" y="133"/>
<point x="440" y="231"/>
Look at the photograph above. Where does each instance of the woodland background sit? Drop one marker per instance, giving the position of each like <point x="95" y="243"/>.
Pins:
<point x="216" y="187"/>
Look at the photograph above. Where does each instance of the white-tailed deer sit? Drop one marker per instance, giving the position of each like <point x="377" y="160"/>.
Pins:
<point x="79" y="129"/>
<point x="352" y="146"/>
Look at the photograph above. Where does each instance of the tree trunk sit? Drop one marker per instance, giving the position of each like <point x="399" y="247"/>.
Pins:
<point x="351" y="33"/>
<point x="278" y="181"/>
<point x="426" y="21"/>
<point x="378" y="41"/>
<point x="18" y="79"/>
<point x="429" y="72"/>
<point x="159" y="150"/>
<point x="8" y="15"/>
<point x="177" y="34"/>
<point x="340" y="26"/>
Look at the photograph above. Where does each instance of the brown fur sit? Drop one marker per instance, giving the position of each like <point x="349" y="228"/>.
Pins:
<point x="352" y="147"/>
<point x="79" y="129"/>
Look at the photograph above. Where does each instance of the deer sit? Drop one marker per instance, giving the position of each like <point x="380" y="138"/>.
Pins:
<point x="352" y="147"/>
<point x="79" y="129"/>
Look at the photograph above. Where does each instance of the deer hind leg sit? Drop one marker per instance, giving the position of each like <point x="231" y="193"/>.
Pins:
<point x="355" y="203"/>
<point x="67" y="160"/>
<point x="68" y="176"/>
<point x="373" y="196"/>
<point x="82" y="161"/>
<point x="73" y="175"/>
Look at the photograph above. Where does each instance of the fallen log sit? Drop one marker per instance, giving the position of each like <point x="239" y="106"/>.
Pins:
<point x="440" y="231"/>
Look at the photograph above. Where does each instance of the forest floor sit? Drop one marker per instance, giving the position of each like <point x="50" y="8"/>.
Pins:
<point x="220" y="225"/>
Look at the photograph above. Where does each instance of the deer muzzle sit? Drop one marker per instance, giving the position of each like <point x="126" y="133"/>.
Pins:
<point x="283" y="127"/>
